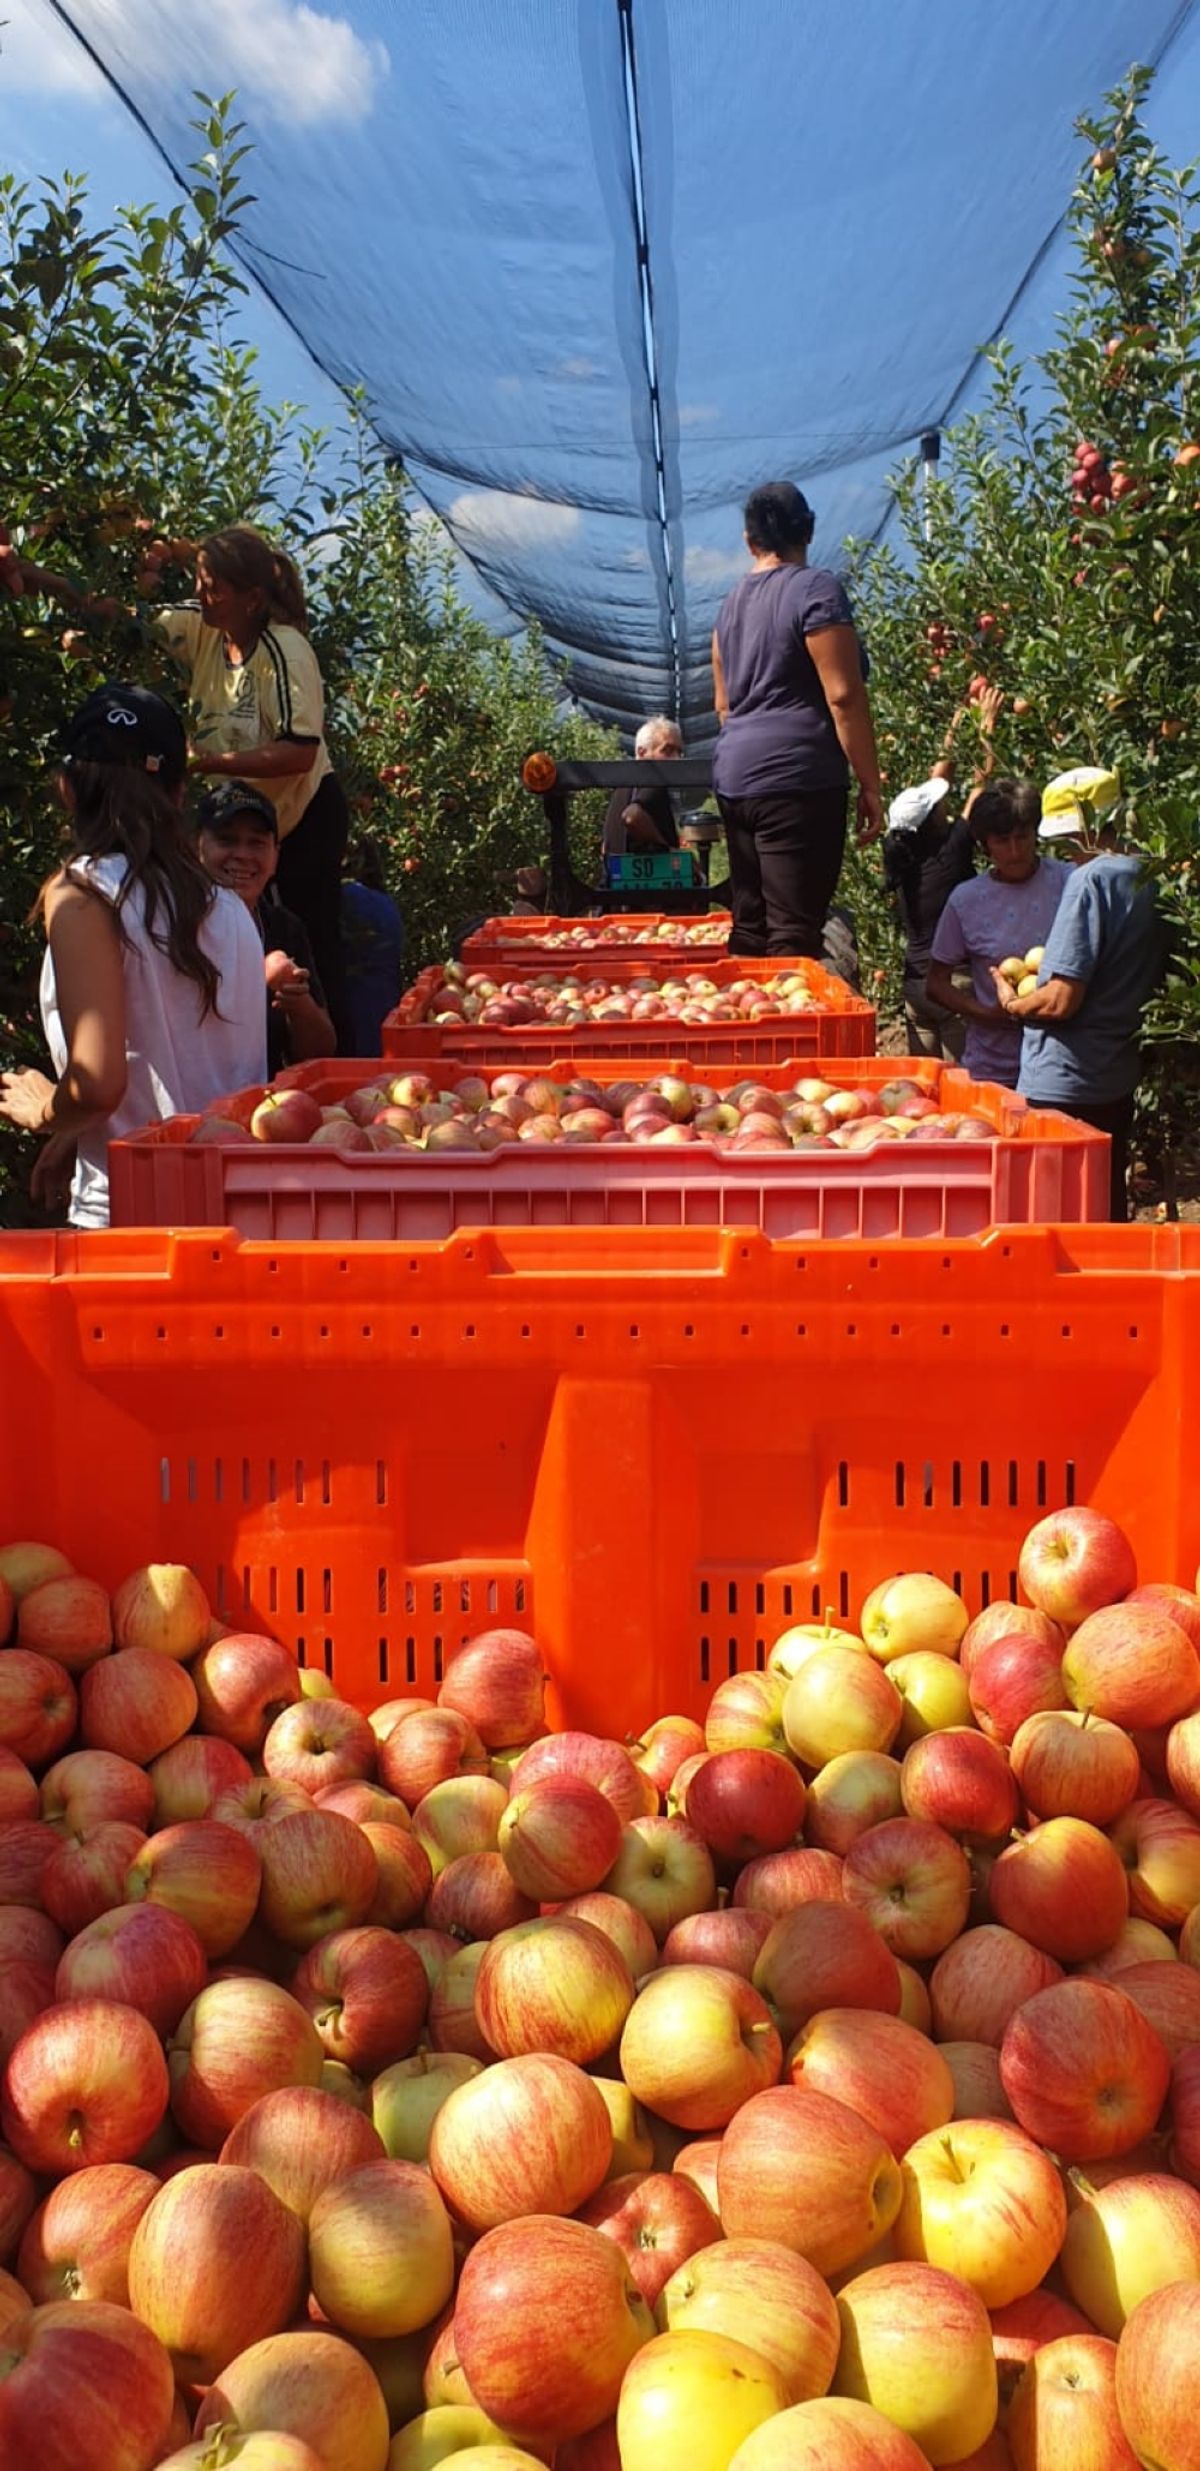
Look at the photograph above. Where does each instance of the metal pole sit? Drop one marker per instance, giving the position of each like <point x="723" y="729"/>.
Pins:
<point x="931" y="447"/>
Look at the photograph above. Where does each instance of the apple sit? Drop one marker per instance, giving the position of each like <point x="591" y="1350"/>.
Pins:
<point x="38" y="1706"/>
<point x="1064" y="2408"/>
<point x="1182" y="1761"/>
<point x="301" y="2140"/>
<point x="697" y="2161"/>
<point x="424" y="1749"/>
<point x="776" y="1883"/>
<point x="1159" y="2414"/>
<point x="913" y="1611"/>
<point x="982" y="2201"/>
<point x="313" y="2385"/>
<point x="26" y="1991"/>
<point x="498" y="1683"/>
<point x="204" y="1870"/>
<point x="87" y="2082"/>
<point x="801" y="1640"/>
<point x="18" y="2202"/>
<point x="381" y="2250"/>
<point x="553" y="1983"/>
<point x="605" y="1764"/>
<point x="799" y="2167"/>
<point x="265" y="2450"/>
<point x="664" y="1869"/>
<point x="137" y="1703"/>
<point x="476" y="1897"/>
<point x="732" y="1937"/>
<point x="731" y="2285"/>
<point x="657" y="2219"/>
<point x="628" y="1929"/>
<point x="839" y="1701"/>
<point x="28" y="1935"/>
<point x="917" y="2346"/>
<point x="83" y="2384"/>
<point x="559" y="1837"/>
<point x="975" y="2070"/>
<point x="406" y="2099"/>
<point x="285" y="1115"/>
<point x="1012" y="1679"/>
<point x="68" y="1618"/>
<point x="358" y="1800"/>
<point x="319" y="1874"/>
<point x="25" y="1848"/>
<point x="190" y="1777"/>
<point x="18" y="1788"/>
<point x="26" y="1566"/>
<point x="1062" y="1887"/>
<point x="982" y="1978"/>
<point x="548" y="2321"/>
<point x="184" y="2277"/>
<point x="85" y="1875"/>
<point x="89" y="1786"/>
<point x="1023" y="2328"/>
<point x="404" y="1874"/>
<point x="697" y="2044"/>
<point x="878" y="2066"/>
<point x="76" y="2246"/>
<point x="462" y="1815"/>
<point x="164" y="1608"/>
<point x="745" y="1712"/>
<point x="663" y="1745"/>
<point x="830" y="2434"/>
<point x="452" y="2023"/>
<point x="1075" y="1562"/>
<point x="690" y="2399"/>
<point x="1069" y="1764"/>
<point x="1136" y="1943"/>
<point x="960" y="1781"/>
<point x="1085" y="2074"/>
<point x="1002" y="1620"/>
<point x="319" y="1742"/>
<point x="526" y="2136"/>
<point x="1168" y="1996"/>
<point x="1182" y="1603"/>
<point x="825" y="1955"/>
<point x="913" y="1883"/>
<point x="243" y="1683"/>
<point x="1133" y="1664"/>
<point x="240" y="2039"/>
<point x="850" y="1794"/>
<point x="1126" y="2240"/>
<point x="367" y="1995"/>
<point x="1159" y="1844"/>
<point x="934" y="1691"/>
<point x="745" y="1803"/>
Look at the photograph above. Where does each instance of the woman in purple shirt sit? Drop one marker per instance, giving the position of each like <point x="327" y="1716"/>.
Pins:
<point x="789" y="676"/>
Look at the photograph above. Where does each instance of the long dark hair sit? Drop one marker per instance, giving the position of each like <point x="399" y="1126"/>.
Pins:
<point x="122" y="811"/>
<point x="244" y="558"/>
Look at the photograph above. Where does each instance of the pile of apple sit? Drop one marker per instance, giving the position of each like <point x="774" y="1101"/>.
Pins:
<point x="483" y="1112"/>
<point x="459" y="994"/>
<point x="816" y="2088"/>
<point x="588" y="935"/>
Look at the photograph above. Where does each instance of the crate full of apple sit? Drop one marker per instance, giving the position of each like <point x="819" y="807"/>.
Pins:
<point x="814" y="2085"/>
<point x="857" y="1149"/>
<point x="521" y="1009"/>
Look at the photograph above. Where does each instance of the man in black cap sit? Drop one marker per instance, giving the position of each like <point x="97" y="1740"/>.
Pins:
<point x="237" y="843"/>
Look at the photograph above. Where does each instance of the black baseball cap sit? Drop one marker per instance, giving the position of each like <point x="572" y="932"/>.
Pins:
<point x="129" y="725"/>
<point x="232" y="798"/>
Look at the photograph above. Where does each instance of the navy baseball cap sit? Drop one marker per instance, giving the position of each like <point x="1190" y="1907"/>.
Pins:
<point x="129" y="725"/>
<point x="233" y="798"/>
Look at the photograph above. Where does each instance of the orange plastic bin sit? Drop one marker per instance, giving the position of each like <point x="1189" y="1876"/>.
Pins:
<point x="656" y="1450"/>
<point x="837" y="1024"/>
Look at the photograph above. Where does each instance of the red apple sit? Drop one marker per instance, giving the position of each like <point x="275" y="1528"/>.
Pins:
<point x="628" y="1930"/>
<point x="25" y="1848"/>
<point x="313" y="2385"/>
<point x="163" y="1608"/>
<point x="663" y="1747"/>
<point x="68" y="1618"/>
<point x="527" y="2136"/>
<point x="1084" y="2072"/>
<point x="1064" y="2408"/>
<point x="301" y="2141"/>
<point x="1133" y="1664"/>
<point x="825" y="1956"/>
<point x="732" y="1937"/>
<point x="556" y="1984"/>
<point x="403" y="1874"/>
<point x="90" y="1786"/>
<point x="37" y="1706"/>
<point x="26" y="1566"/>
<point x="913" y="1883"/>
<point x="452" y="2023"/>
<point x="1014" y="1678"/>
<point x="205" y="1871"/>
<point x="657" y="2220"/>
<point x="1159" y="1844"/>
<point x="878" y="2066"/>
<point x="559" y="1837"/>
<point x="77" y="2244"/>
<point x="476" y="1897"/>
<point x="1168" y="1996"/>
<point x="1136" y="1943"/>
<point x="18" y="2200"/>
<point x="85" y="1875"/>
<point x="1182" y="1603"/>
<point x="367" y="1994"/>
<point x="240" y="2039"/>
<point x="26" y="1991"/>
<point x="86" y="2083"/>
<point x="776" y="1883"/>
<point x="18" y="1788"/>
<point x="29" y="1934"/>
<point x="697" y="2044"/>
<point x="547" y="2321"/>
<point x="1024" y="2327"/>
<point x="745" y="1803"/>
<point x="257" y="1803"/>
<point x="978" y="2092"/>
<point x="189" y="1778"/>
<point x="959" y="1781"/>
<point x="319" y="1874"/>
<point x="832" y="2434"/>
<point x="1075" y="1562"/>
<point x="83" y="2387"/>
<point x="144" y="1956"/>
<point x="1159" y="2413"/>
<point x="801" y="2168"/>
<point x="497" y="1681"/>
<point x="426" y="1748"/>
<point x="186" y="2277"/>
<point x="1002" y="1620"/>
<point x="319" y="1742"/>
<point x="735" y="2284"/>
<point x="1073" y="1765"/>
<point x="850" y="1794"/>
<point x="981" y="1980"/>
<point x="1062" y="1887"/>
<point x="136" y="1703"/>
<point x="589" y="1757"/>
<point x="243" y="1683"/>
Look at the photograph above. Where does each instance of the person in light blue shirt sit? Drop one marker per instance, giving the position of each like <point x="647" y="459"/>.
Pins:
<point x="1105" y="955"/>
<point x="998" y="916"/>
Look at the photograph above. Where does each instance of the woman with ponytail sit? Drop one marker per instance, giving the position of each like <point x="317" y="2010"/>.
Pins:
<point x="152" y="986"/>
<point x="789" y="678"/>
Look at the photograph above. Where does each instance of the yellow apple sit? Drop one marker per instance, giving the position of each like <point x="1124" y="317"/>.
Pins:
<point x="1126" y="2240"/>
<point x="449" y="2429"/>
<point x="935" y="1694"/>
<point x="689" y="2399"/>
<point x="792" y="1646"/>
<point x="1013" y="969"/>
<point x="633" y="2145"/>
<point x="913" y="1611"/>
<point x="982" y="2201"/>
<point x="1035" y="957"/>
<point x="316" y="1685"/>
<point x="917" y="2345"/>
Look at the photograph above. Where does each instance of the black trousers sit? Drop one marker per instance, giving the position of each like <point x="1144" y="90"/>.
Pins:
<point x="785" y="857"/>
<point x="1114" y="1117"/>
<point x="309" y="877"/>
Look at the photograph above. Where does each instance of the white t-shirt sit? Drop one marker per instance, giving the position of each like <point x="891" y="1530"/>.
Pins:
<point x="179" y="1057"/>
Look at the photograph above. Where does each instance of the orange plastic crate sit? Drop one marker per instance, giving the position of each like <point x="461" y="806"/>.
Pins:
<point x="648" y="935"/>
<point x="1042" y="1167"/>
<point x="656" y="1451"/>
<point x="839" y="1023"/>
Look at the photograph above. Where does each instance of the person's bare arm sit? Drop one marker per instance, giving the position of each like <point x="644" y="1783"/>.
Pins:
<point x="310" y="1031"/>
<point x="1058" y="1000"/>
<point x="641" y="831"/>
<point x="941" y="988"/>
<point x="90" y="983"/>
<point x="277" y="761"/>
<point x="720" y="691"/>
<point x="836" y="659"/>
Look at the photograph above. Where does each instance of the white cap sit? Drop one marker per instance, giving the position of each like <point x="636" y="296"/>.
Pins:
<point x="1073" y="800"/>
<point x="914" y="807"/>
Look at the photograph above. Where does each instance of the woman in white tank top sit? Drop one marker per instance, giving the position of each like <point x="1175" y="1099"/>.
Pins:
<point x="152" y="987"/>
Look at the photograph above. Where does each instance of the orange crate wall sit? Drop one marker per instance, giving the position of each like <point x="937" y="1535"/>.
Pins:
<point x="655" y="1451"/>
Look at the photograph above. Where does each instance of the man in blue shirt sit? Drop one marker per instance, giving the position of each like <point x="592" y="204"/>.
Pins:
<point x="1105" y="955"/>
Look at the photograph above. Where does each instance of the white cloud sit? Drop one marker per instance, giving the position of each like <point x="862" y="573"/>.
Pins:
<point x="487" y="521"/>
<point x="713" y="566"/>
<point x="637" y="559"/>
<point x="694" y="415"/>
<point x="579" y="371"/>
<point x="297" y="63"/>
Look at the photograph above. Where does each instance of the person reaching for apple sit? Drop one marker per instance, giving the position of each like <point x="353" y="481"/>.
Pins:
<point x="237" y="843"/>
<point x="998" y="915"/>
<point x="928" y="852"/>
<point x="151" y="990"/>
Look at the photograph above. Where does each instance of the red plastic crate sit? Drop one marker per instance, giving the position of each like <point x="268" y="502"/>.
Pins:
<point x="655" y="1450"/>
<point x="1041" y="1167"/>
<point x="839" y="1024"/>
<point x="616" y="936"/>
